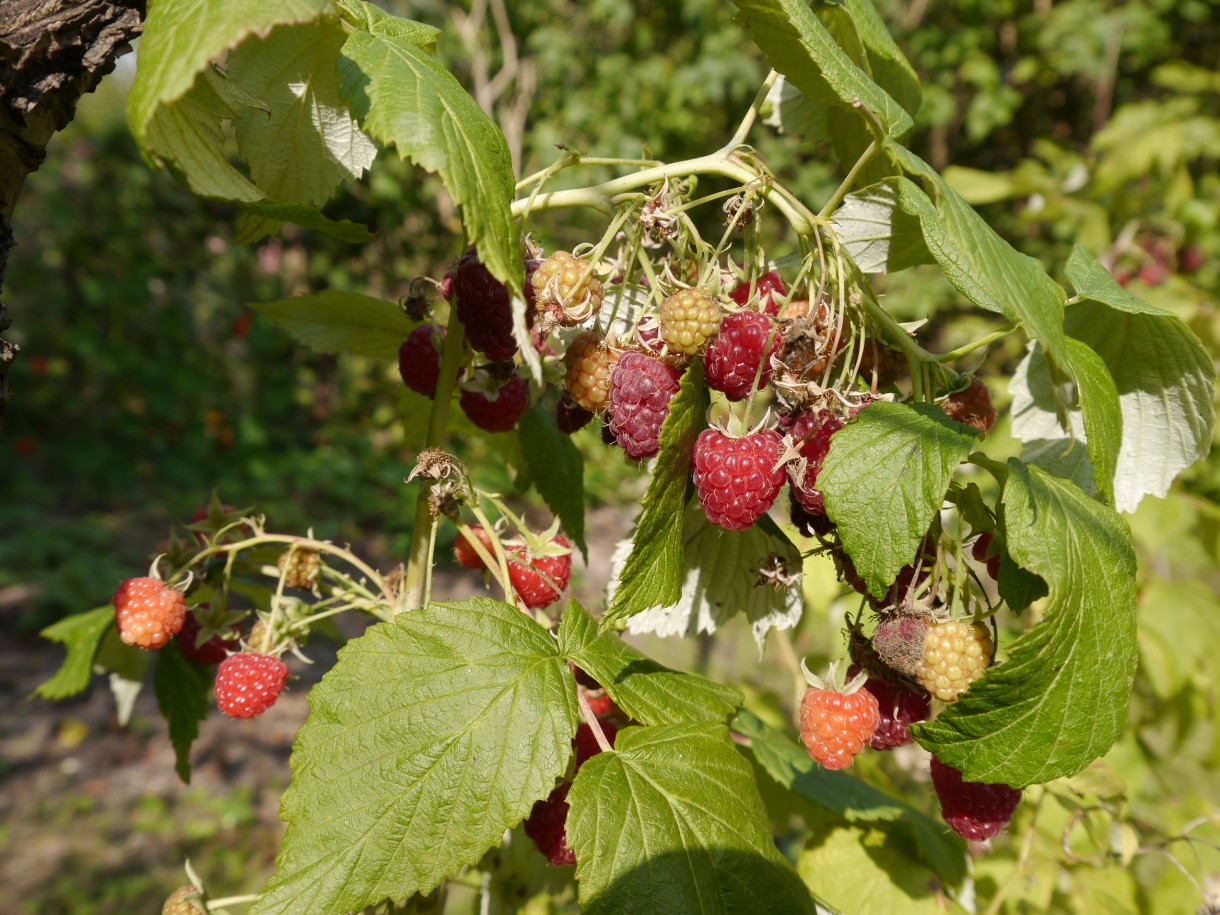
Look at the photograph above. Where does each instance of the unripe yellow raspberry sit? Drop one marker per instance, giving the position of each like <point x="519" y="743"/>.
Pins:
<point x="689" y="319"/>
<point x="955" y="655"/>
<point x="567" y="289"/>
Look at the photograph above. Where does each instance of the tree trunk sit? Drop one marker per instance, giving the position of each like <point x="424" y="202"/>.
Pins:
<point x="51" y="53"/>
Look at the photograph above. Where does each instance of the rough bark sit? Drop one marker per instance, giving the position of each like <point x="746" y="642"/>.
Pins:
<point x="51" y="53"/>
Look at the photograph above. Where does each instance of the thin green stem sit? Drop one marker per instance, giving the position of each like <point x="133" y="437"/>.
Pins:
<point x="970" y="347"/>
<point x="751" y="115"/>
<point x="849" y="182"/>
<point x="232" y="900"/>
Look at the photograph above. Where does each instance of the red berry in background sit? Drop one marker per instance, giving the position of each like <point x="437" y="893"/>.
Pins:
<point x="769" y="290"/>
<point x="543" y="579"/>
<point x="1153" y="274"/>
<point x="241" y="326"/>
<point x="737" y="478"/>
<point x="600" y="705"/>
<point x="585" y="743"/>
<point x="985" y="550"/>
<point x="812" y="433"/>
<point x="835" y="726"/>
<point x="485" y="309"/>
<point x="898" y="707"/>
<point x="547" y="827"/>
<point x="1191" y="259"/>
<point x="974" y="810"/>
<point x="501" y="412"/>
<point x="148" y="612"/>
<point x="211" y="651"/>
<point x="419" y="359"/>
<point x="746" y="340"/>
<point x="248" y="684"/>
<point x="465" y="553"/>
<point x="570" y="417"/>
<point x="972" y="406"/>
<point x="640" y="391"/>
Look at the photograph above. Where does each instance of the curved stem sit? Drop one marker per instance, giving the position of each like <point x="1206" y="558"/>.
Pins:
<point x="849" y="182"/>
<point x="751" y="115"/>
<point x="970" y="347"/>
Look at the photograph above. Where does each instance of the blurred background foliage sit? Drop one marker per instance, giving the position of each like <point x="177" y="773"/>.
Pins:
<point x="144" y="383"/>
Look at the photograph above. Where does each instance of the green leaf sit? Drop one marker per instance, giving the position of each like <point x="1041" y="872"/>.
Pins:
<point x="1046" y="417"/>
<point x="885" y="479"/>
<point x="127" y="667"/>
<point x="558" y="471"/>
<point x="1060" y="700"/>
<point x="264" y="217"/>
<point x="429" y="737"/>
<point x="404" y="98"/>
<point x="880" y="237"/>
<point x="981" y="265"/>
<point x="721" y="573"/>
<point x="887" y="64"/>
<point x="182" y="687"/>
<point x="1103" y="419"/>
<point x="671" y="821"/>
<point x="641" y="687"/>
<point x="307" y="144"/>
<point x="799" y="46"/>
<point x="653" y="574"/>
<point x="786" y="761"/>
<point x="81" y="634"/>
<point x="334" y="321"/>
<point x="1092" y="281"/>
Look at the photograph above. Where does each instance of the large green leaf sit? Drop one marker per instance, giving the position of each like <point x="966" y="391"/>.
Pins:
<point x="888" y="66"/>
<point x="1092" y="281"/>
<point x="885" y="479"/>
<point x="646" y="691"/>
<point x="557" y="469"/>
<point x="653" y="573"/>
<point x="429" y="737"/>
<point x="81" y="634"/>
<point x="404" y="98"/>
<point x="341" y="322"/>
<point x="671" y="822"/>
<point x="182" y="687"/>
<point x="1060" y="700"/>
<point x="880" y="237"/>
<point x="1103" y="419"/>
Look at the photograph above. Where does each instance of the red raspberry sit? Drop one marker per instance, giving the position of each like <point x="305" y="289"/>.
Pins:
<point x="543" y="579"/>
<point x="768" y="290"/>
<point x="898" y="707"/>
<point x="736" y="477"/>
<point x="688" y="320"/>
<point x="211" y="651"/>
<point x="974" y="810"/>
<point x="812" y="433"/>
<point x="148" y="612"/>
<point x="485" y="309"/>
<point x="589" y="367"/>
<point x="248" y="684"/>
<point x="569" y="417"/>
<point x="547" y="826"/>
<point x="835" y="726"/>
<point x="809" y="524"/>
<point x="586" y="745"/>
<point x="746" y="339"/>
<point x="600" y="705"/>
<point x="464" y="552"/>
<point x="419" y="359"/>
<point x="640" y="391"/>
<point x="498" y="414"/>
<point x="984" y="551"/>
<point x="972" y="406"/>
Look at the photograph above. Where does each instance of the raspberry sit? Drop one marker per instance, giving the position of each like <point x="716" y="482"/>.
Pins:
<point x="746" y="340"/>
<point x="888" y="364"/>
<point x="547" y="826"/>
<point x="768" y="290"/>
<point x="465" y="553"/>
<point x="210" y="651"/>
<point x="600" y="705"/>
<point x="419" y="359"/>
<point x="688" y="320"/>
<point x="812" y="433"/>
<point x="955" y="655"/>
<point x="569" y="417"/>
<point x="586" y="744"/>
<point x="566" y="290"/>
<point x="583" y="678"/>
<point x="248" y="684"/>
<point x="589" y="367"/>
<point x="300" y="568"/>
<point x="809" y="524"/>
<point x="737" y="478"/>
<point x="640" y="391"/>
<point x="186" y="900"/>
<point x="485" y="309"/>
<point x="984" y="551"/>
<point x="971" y="406"/>
<point x="974" y="810"/>
<point x="835" y="726"/>
<point x="541" y="580"/>
<point x="500" y="412"/>
<point x="898" y="708"/>
<point x="148" y="612"/>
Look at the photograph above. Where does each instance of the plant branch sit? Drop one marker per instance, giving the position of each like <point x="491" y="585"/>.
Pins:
<point x="751" y="115"/>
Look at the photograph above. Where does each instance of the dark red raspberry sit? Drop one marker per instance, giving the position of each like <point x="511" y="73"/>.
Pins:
<point x="812" y="433"/>
<point x="899" y="707"/>
<point x="640" y="391"/>
<point x="499" y="413"/>
<point x="768" y="290"/>
<point x="809" y="524"/>
<point x="972" y="406"/>
<point x="746" y="339"/>
<point x="465" y="553"/>
<point x="485" y="309"/>
<point x="541" y="580"/>
<point x="248" y="684"/>
<point x="737" y="478"/>
<point x="419" y="359"/>
<point x="547" y="826"/>
<point x="569" y="417"/>
<point x="148" y="612"/>
<point x="586" y="745"/>
<point x="974" y="810"/>
<point x="211" y="651"/>
<point x="583" y="678"/>
<point x="986" y="550"/>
